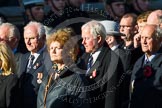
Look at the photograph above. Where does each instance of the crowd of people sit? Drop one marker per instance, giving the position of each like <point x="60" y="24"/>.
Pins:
<point x="66" y="59"/>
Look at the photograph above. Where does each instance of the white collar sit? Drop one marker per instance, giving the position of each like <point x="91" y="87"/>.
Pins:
<point x="150" y="58"/>
<point x="95" y="55"/>
<point x="114" y="47"/>
<point x="36" y="55"/>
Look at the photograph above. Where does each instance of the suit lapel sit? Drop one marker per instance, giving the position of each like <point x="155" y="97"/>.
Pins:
<point x="139" y="65"/>
<point x="24" y="62"/>
<point x="98" y="62"/>
<point x="46" y="61"/>
<point x="157" y="61"/>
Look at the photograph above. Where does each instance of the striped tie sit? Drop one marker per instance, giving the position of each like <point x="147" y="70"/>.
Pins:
<point x="30" y="63"/>
<point x="89" y="65"/>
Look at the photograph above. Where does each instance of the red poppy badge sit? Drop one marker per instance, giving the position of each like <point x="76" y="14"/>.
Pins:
<point x="93" y="74"/>
<point x="147" y="71"/>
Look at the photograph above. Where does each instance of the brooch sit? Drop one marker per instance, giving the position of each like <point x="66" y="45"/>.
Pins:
<point x="39" y="77"/>
<point x="93" y="74"/>
<point x="147" y="71"/>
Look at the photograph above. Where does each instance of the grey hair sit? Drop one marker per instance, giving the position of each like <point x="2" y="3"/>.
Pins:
<point x="39" y="26"/>
<point x="13" y="30"/>
<point x="95" y="29"/>
<point x="158" y="32"/>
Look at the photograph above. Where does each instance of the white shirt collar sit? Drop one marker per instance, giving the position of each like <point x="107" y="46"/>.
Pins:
<point x="114" y="47"/>
<point x="36" y="55"/>
<point x="150" y="58"/>
<point x="95" y="55"/>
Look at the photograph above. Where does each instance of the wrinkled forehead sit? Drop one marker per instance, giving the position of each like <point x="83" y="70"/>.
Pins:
<point x="148" y="30"/>
<point x="30" y="32"/>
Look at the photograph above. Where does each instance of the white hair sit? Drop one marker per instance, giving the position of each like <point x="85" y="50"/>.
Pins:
<point x="13" y="30"/>
<point x="39" y="26"/>
<point x="158" y="32"/>
<point x="95" y="29"/>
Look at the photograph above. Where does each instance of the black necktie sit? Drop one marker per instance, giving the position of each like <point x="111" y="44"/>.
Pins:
<point x="89" y="65"/>
<point x="30" y="63"/>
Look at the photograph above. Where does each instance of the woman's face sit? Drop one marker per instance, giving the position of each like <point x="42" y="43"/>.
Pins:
<point x="55" y="50"/>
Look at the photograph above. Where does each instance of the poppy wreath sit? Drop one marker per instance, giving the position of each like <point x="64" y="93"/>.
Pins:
<point x="148" y="72"/>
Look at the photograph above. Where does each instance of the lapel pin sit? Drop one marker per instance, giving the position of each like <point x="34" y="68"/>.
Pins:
<point x="93" y="74"/>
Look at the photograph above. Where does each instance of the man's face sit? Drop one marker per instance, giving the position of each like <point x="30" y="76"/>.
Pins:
<point x="109" y="39"/>
<point x="4" y="35"/>
<point x="148" y="41"/>
<point x="38" y="12"/>
<point x="118" y="8"/>
<point x="32" y="41"/>
<point x="4" y="32"/>
<point x="126" y="27"/>
<point x="89" y="42"/>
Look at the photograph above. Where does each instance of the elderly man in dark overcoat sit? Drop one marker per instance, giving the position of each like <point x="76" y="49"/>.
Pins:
<point x="103" y="67"/>
<point x="146" y="79"/>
